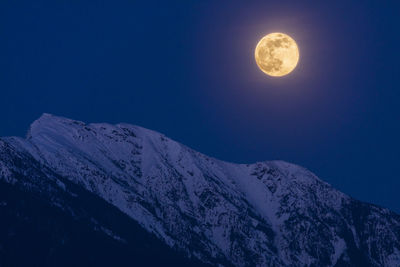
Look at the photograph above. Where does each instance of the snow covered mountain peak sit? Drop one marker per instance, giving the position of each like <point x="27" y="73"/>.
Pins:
<point x="263" y="214"/>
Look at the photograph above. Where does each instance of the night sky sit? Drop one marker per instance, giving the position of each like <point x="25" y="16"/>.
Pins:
<point x="187" y="69"/>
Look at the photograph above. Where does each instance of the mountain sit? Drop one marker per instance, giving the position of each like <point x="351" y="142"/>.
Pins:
<point x="120" y="195"/>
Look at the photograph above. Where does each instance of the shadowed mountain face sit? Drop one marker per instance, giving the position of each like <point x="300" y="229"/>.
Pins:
<point x="79" y="194"/>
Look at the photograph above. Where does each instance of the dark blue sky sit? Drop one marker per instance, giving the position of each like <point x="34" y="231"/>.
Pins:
<point x="187" y="69"/>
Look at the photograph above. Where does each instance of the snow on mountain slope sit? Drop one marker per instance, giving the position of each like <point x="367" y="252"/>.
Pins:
<point x="263" y="214"/>
<point x="46" y="220"/>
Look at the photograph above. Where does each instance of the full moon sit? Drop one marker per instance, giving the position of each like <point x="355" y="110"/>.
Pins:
<point x="277" y="54"/>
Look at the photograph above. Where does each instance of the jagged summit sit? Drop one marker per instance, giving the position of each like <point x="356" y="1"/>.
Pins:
<point x="46" y="122"/>
<point x="263" y="214"/>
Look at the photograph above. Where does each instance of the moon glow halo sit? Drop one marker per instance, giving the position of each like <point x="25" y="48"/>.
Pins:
<point x="277" y="54"/>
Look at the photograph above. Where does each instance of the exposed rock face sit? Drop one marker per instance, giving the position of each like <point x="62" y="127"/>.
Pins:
<point x="263" y="214"/>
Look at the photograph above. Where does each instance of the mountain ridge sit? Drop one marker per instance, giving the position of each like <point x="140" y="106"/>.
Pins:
<point x="263" y="214"/>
